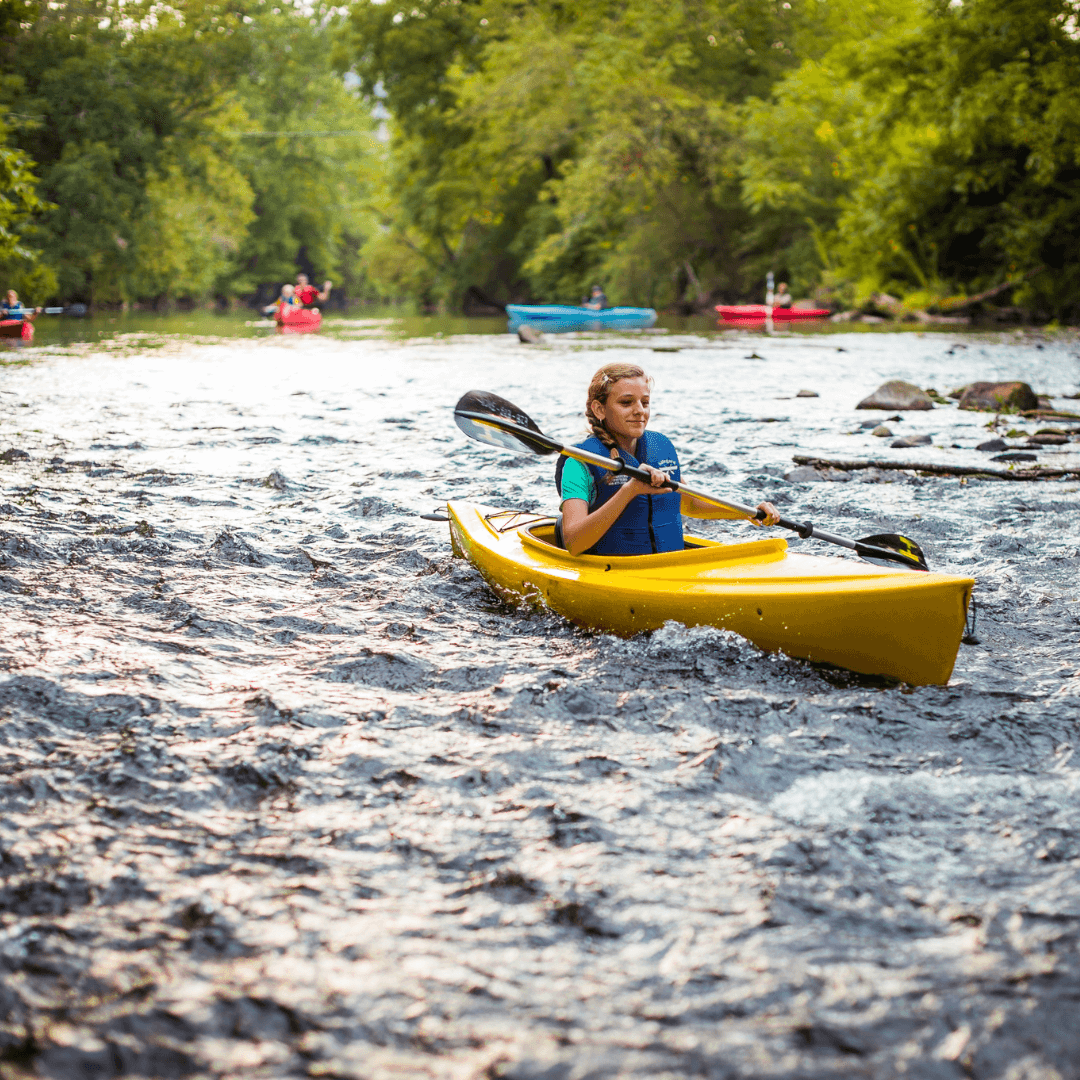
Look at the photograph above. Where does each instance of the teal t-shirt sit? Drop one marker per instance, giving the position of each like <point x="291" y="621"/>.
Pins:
<point x="577" y="482"/>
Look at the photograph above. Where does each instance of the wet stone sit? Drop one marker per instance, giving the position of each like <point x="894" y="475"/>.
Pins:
<point x="897" y="394"/>
<point x="998" y="397"/>
<point x="1016" y="455"/>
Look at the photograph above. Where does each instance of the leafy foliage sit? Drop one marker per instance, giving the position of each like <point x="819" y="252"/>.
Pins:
<point x="933" y="148"/>
<point x="133" y="112"/>
<point x="679" y="151"/>
<point x="675" y="152"/>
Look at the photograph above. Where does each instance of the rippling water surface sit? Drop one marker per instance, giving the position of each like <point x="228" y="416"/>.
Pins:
<point x="287" y="792"/>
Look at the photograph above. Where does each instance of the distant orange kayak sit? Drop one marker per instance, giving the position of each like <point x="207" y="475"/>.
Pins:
<point x="749" y="313"/>
<point x="298" y="320"/>
<point x="17" y="328"/>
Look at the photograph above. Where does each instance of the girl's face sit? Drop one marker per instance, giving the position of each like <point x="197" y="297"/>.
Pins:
<point x="626" y="412"/>
<point x="12" y="296"/>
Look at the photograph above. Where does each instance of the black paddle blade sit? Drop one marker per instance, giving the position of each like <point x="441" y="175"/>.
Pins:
<point x="491" y="419"/>
<point x="891" y="549"/>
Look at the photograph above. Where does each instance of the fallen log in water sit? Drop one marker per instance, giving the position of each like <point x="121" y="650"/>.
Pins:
<point x="1039" y="472"/>
<point x="1050" y="414"/>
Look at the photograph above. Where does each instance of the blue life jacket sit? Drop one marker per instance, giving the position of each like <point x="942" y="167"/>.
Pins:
<point x="651" y="523"/>
<point x="16" y="312"/>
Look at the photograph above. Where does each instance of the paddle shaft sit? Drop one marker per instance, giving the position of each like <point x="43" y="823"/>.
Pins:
<point x="806" y="531"/>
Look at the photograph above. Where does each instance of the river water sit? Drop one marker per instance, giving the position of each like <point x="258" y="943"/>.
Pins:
<point x="286" y="791"/>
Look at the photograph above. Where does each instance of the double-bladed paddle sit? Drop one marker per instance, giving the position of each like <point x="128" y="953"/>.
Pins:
<point x="491" y="419"/>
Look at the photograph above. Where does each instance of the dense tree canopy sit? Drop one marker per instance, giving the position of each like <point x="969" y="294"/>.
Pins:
<point x="678" y="151"/>
<point x="146" y="126"/>
<point x="675" y="152"/>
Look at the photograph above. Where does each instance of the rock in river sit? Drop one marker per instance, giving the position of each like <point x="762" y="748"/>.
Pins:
<point x="911" y="440"/>
<point x="897" y="394"/>
<point x="993" y="446"/>
<point x="882" y="432"/>
<point x="998" y="397"/>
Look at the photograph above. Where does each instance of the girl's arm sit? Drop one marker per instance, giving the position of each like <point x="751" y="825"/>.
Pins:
<point x="581" y="530"/>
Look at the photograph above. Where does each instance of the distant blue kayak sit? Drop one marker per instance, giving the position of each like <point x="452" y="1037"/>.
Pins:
<point x="562" y="318"/>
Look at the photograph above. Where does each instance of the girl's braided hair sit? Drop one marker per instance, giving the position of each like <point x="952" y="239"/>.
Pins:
<point x="599" y="389"/>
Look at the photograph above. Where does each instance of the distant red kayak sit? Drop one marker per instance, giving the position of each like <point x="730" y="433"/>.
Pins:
<point x="17" y="328"/>
<point x="750" y="313"/>
<point x="298" y="320"/>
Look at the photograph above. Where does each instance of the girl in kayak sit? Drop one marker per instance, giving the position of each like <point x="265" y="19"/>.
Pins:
<point x="605" y="513"/>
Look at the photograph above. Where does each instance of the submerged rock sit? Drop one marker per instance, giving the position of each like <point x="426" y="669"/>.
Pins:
<point x="804" y="474"/>
<point x="992" y="446"/>
<point x="1016" y="455"/>
<point x="882" y="432"/>
<point x="12" y="454"/>
<point x="529" y="335"/>
<point x="911" y="440"/>
<point x="236" y="549"/>
<point x="998" y="397"/>
<point x="897" y="394"/>
<point x="808" y="393"/>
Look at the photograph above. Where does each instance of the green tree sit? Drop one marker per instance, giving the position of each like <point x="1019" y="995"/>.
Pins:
<point x="113" y="98"/>
<point x="19" y="201"/>
<point x="933" y="148"/>
<point x="312" y="192"/>
<point x="136" y="115"/>
<point x="539" y="147"/>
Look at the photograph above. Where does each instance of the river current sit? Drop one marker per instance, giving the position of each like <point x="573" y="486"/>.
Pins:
<point x="286" y="791"/>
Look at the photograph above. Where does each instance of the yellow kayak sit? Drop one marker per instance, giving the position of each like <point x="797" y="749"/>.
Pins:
<point x="870" y="619"/>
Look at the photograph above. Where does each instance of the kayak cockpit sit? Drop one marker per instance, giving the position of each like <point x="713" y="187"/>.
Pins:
<point x="540" y="539"/>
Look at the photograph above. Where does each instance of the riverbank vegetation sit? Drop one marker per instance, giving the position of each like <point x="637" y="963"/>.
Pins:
<point x="179" y="152"/>
<point x="900" y="155"/>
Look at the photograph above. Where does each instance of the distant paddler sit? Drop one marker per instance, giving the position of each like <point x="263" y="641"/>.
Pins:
<point x="14" y="310"/>
<point x="307" y="294"/>
<point x="596" y="300"/>
<point x="285" y="302"/>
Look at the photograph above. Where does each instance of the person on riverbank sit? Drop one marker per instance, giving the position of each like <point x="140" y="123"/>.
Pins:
<point x="307" y="294"/>
<point x="605" y="513"/>
<point x="13" y="308"/>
